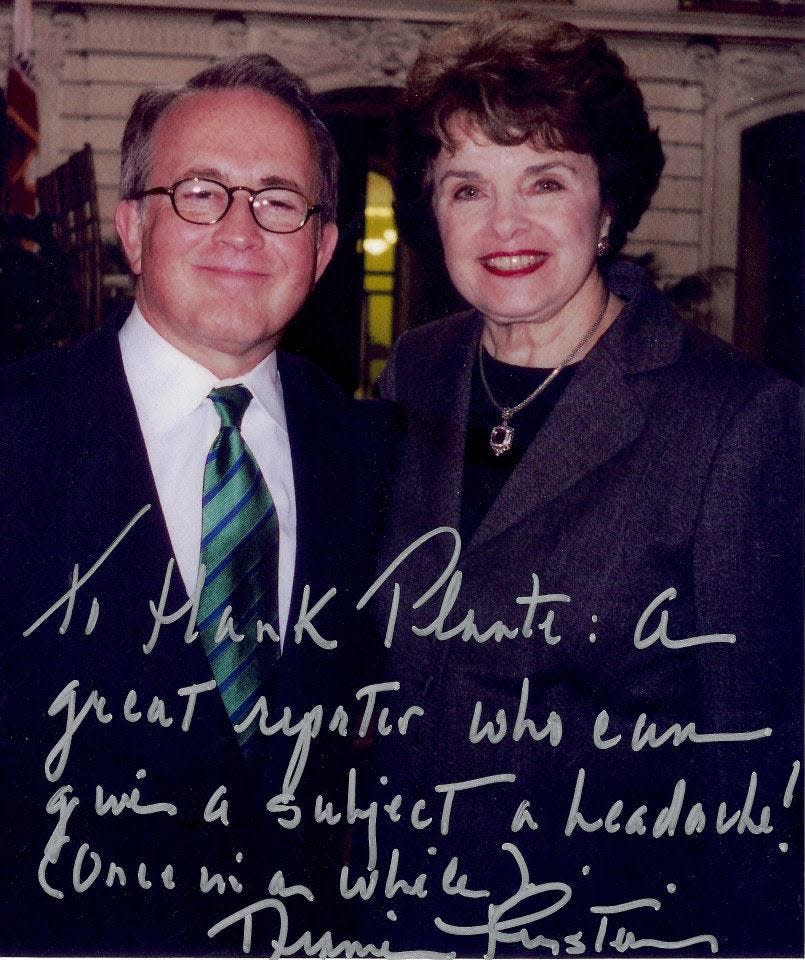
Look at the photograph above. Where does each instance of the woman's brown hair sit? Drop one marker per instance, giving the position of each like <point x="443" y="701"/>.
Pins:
<point x="522" y="78"/>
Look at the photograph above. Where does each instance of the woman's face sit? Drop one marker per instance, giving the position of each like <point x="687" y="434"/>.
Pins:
<point x="519" y="227"/>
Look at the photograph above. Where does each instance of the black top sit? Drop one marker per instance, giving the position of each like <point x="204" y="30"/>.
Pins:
<point x="485" y="472"/>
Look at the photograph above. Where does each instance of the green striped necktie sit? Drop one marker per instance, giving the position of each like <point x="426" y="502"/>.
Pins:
<point x="240" y="553"/>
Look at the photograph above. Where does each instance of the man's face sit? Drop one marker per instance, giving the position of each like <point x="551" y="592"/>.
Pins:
<point x="224" y="293"/>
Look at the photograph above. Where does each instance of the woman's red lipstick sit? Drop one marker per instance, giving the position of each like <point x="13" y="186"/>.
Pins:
<point x="513" y="263"/>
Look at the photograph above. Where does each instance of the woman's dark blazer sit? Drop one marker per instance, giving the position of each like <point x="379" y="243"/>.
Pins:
<point x="670" y="463"/>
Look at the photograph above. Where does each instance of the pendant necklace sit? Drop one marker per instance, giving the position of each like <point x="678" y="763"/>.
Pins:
<point x="502" y="436"/>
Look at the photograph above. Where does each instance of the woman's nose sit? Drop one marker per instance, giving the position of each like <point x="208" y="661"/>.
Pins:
<point x="507" y="215"/>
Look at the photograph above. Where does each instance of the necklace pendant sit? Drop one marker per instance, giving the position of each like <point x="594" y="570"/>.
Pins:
<point x="500" y="439"/>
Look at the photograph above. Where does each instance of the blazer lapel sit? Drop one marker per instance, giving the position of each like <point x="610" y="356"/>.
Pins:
<point x="598" y="415"/>
<point x="594" y="419"/>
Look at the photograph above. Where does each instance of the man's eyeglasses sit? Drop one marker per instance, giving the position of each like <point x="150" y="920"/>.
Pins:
<point x="276" y="209"/>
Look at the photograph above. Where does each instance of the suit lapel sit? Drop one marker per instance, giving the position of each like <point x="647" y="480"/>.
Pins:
<point x="119" y="477"/>
<point x="308" y="455"/>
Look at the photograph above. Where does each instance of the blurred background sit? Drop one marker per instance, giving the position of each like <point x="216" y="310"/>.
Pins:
<point x="724" y="81"/>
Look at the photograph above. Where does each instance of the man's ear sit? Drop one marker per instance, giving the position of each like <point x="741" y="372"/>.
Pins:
<point x="129" y="224"/>
<point x="326" y="248"/>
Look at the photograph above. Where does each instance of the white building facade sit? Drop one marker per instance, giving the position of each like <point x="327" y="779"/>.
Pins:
<point x="706" y="77"/>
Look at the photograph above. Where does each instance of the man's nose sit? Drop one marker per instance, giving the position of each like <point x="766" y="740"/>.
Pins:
<point x="238" y="228"/>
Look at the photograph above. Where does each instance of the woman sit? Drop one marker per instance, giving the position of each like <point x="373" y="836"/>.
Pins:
<point x="626" y="495"/>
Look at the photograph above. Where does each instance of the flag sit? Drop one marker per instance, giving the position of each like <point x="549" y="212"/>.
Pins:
<point x="22" y="120"/>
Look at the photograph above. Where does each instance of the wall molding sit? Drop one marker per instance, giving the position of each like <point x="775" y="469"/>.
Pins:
<point x="623" y="16"/>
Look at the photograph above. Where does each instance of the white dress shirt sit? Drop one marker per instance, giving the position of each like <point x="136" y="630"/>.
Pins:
<point x="179" y="423"/>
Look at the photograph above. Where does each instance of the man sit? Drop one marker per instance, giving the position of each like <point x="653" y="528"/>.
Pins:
<point x="180" y="502"/>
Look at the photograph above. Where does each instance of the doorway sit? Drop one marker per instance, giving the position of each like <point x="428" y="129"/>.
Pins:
<point x="387" y="274"/>
<point x="770" y="281"/>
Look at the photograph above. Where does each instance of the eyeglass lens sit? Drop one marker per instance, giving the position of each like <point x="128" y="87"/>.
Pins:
<point x="275" y="208"/>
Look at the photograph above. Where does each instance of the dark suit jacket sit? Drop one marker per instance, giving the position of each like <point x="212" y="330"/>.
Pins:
<point x="75" y="475"/>
<point x="668" y="462"/>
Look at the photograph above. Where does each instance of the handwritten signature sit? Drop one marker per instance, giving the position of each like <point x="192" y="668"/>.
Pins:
<point x="501" y="927"/>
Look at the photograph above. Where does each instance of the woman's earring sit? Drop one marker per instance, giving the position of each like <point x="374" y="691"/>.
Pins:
<point x="601" y="247"/>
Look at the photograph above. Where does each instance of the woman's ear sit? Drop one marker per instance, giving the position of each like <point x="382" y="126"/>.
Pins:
<point x="606" y="223"/>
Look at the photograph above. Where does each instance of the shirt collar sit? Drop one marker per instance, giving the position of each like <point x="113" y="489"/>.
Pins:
<point x="168" y="386"/>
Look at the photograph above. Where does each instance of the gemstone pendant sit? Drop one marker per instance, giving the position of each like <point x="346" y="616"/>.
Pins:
<point x="500" y="439"/>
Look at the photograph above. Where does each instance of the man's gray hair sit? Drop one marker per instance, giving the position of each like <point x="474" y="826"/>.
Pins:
<point x="255" y="71"/>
